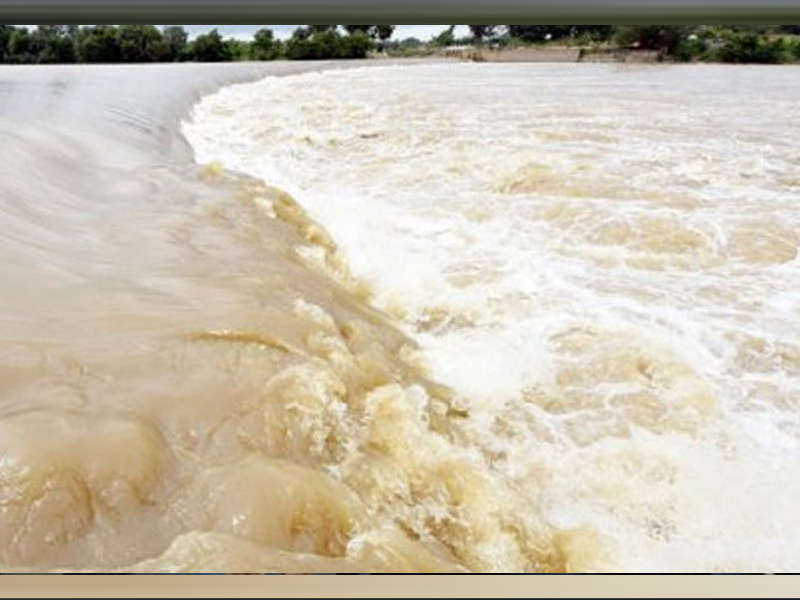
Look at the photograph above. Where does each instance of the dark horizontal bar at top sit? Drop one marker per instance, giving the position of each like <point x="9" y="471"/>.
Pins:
<point x="412" y="12"/>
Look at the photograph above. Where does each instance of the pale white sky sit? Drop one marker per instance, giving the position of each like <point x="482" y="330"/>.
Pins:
<point x="245" y="32"/>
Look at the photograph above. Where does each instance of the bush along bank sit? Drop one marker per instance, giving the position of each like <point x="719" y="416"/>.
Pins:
<point x="765" y="44"/>
<point x="148" y="43"/>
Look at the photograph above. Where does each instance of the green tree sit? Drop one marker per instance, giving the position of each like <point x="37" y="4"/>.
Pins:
<point x="481" y="32"/>
<point x="141" y="43"/>
<point x="54" y="43"/>
<point x="264" y="45"/>
<point x="664" y="38"/>
<point x="301" y="33"/>
<point x="325" y="43"/>
<point x="350" y="29"/>
<point x="175" y="41"/>
<point x="209" y="47"/>
<point x="21" y="48"/>
<point x="528" y="33"/>
<point x="98" y="44"/>
<point x="376" y="32"/>
<point x="307" y="43"/>
<point x="749" y="47"/>
<point x="691" y="49"/>
<point x="299" y="45"/>
<point x="356" y="45"/>
<point x="238" y="49"/>
<point x="542" y="33"/>
<point x="446" y="38"/>
<point x="5" y="34"/>
<point x="383" y="32"/>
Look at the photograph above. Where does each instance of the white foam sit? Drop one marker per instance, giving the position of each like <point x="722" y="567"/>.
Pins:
<point x="501" y="208"/>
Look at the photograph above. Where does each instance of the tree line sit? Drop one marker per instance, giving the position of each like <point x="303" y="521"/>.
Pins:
<point x="148" y="43"/>
<point x="736" y="44"/>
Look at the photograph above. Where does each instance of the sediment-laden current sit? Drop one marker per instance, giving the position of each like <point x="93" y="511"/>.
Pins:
<point x="441" y="317"/>
<point x="601" y="260"/>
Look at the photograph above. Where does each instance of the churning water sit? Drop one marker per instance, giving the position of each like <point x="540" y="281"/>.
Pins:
<point x="602" y="260"/>
<point x="434" y="317"/>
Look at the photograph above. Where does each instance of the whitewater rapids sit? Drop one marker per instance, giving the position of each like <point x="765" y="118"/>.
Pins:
<point x="419" y="317"/>
<point x="601" y="260"/>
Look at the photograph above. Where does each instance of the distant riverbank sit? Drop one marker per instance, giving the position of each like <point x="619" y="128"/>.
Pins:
<point x="753" y="44"/>
<point x="47" y="44"/>
<point x="552" y="54"/>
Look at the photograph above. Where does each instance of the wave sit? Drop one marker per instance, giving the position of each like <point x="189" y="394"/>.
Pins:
<point x="596" y="260"/>
<point x="192" y="378"/>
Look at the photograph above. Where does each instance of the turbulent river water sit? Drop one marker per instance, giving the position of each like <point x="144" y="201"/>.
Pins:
<point x="431" y="317"/>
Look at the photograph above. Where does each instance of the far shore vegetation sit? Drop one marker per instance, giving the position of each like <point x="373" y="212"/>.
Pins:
<point x="768" y="44"/>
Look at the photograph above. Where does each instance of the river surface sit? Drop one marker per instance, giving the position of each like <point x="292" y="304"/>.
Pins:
<point x="429" y="317"/>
